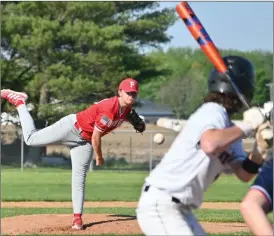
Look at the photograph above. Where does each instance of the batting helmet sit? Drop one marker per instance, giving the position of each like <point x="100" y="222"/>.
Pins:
<point x="242" y="74"/>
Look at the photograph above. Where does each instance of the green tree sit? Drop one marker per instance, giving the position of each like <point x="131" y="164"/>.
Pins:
<point x="184" y="84"/>
<point x="183" y="94"/>
<point x="78" y="52"/>
<point x="185" y="62"/>
<point x="177" y="62"/>
<point x="66" y="55"/>
<point x="263" y="62"/>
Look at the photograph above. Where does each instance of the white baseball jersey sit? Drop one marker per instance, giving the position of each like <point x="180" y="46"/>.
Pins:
<point x="186" y="171"/>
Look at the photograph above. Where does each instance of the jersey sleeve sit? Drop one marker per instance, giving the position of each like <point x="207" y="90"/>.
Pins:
<point x="103" y="121"/>
<point x="209" y="116"/>
<point x="214" y="117"/>
<point x="238" y="151"/>
<point x="264" y="182"/>
<point x="237" y="155"/>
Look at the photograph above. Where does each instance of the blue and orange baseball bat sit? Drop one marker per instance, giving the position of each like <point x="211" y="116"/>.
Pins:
<point x="202" y="37"/>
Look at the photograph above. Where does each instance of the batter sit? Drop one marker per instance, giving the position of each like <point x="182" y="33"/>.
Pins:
<point x="209" y="145"/>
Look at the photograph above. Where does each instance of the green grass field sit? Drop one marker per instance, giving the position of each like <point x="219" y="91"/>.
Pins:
<point x="207" y="215"/>
<point x="54" y="185"/>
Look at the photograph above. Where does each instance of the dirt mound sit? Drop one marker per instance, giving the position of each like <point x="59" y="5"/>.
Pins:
<point x="94" y="224"/>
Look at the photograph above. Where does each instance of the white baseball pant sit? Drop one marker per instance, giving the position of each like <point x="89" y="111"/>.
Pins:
<point x="62" y="132"/>
<point x="157" y="214"/>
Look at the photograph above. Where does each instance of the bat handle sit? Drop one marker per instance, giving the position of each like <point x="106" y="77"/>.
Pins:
<point x="240" y="95"/>
<point x="238" y="92"/>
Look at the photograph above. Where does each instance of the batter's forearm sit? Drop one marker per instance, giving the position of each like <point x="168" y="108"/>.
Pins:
<point x="241" y="173"/>
<point x="217" y="140"/>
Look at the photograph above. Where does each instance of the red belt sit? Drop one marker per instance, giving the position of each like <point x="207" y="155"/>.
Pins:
<point x="78" y="127"/>
<point x="84" y="135"/>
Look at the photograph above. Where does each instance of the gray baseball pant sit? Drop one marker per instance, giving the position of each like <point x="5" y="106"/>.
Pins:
<point x="62" y="132"/>
<point x="158" y="215"/>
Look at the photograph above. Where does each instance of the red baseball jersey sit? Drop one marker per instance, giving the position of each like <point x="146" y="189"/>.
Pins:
<point x="104" y="116"/>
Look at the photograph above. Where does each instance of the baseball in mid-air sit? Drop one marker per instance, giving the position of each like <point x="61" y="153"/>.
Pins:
<point x="158" y="138"/>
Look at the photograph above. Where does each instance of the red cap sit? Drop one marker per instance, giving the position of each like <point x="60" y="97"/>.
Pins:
<point x="129" y="85"/>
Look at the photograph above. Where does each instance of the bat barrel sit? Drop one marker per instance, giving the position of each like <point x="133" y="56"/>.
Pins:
<point x="199" y="33"/>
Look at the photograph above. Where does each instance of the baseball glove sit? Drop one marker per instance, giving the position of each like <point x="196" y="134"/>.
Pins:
<point x="135" y="120"/>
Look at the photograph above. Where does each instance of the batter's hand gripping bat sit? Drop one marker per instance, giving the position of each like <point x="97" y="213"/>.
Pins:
<point x="199" y="33"/>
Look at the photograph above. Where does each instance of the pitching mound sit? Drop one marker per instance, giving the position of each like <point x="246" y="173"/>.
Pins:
<point x="95" y="224"/>
<point x="205" y="205"/>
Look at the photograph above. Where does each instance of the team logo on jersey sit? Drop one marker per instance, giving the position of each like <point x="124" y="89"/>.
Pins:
<point x="225" y="157"/>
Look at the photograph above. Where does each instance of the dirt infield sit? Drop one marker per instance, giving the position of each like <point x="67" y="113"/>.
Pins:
<point x="96" y="223"/>
<point x="205" y="205"/>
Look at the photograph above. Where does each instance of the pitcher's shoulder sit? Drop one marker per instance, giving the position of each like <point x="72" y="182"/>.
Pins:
<point x="107" y="103"/>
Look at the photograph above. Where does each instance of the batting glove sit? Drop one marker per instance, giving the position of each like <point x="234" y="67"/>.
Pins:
<point x="264" y="137"/>
<point x="252" y="119"/>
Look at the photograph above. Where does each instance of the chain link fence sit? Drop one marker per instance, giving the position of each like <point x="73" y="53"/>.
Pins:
<point x="128" y="149"/>
<point x="122" y="150"/>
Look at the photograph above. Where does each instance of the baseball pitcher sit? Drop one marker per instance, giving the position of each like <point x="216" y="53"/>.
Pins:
<point x="209" y="145"/>
<point x="82" y="132"/>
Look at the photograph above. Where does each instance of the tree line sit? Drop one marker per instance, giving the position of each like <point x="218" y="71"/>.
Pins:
<point x="184" y="85"/>
<point x="66" y="55"/>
